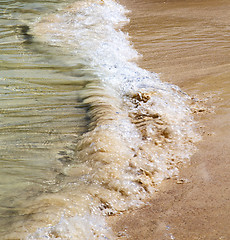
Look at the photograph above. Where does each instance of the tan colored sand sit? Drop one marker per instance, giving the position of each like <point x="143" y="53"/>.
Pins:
<point x="188" y="43"/>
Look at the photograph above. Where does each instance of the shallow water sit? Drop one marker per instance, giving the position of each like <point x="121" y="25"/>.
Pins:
<point x="40" y="114"/>
<point x="85" y="132"/>
<point x="188" y="43"/>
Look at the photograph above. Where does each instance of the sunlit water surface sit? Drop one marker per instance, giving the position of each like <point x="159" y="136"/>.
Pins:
<point x="85" y="132"/>
<point x="40" y="115"/>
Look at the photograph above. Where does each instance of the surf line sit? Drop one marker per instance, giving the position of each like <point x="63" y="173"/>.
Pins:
<point x="140" y="128"/>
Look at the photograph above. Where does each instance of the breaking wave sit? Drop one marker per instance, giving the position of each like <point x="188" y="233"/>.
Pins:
<point x="140" y="129"/>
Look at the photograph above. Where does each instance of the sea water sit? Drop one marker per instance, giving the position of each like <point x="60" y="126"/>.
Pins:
<point x="85" y="132"/>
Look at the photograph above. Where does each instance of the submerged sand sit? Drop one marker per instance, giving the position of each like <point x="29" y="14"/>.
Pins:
<point x="188" y="43"/>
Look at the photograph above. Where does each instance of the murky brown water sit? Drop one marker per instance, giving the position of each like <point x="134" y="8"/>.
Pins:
<point x="188" y="43"/>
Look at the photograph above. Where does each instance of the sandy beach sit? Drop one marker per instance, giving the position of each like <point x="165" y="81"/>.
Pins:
<point x="187" y="42"/>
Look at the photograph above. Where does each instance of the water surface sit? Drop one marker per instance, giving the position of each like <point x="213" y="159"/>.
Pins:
<point x="86" y="133"/>
<point x="40" y="112"/>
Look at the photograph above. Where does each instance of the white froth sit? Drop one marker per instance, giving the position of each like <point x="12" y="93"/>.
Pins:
<point x="79" y="227"/>
<point x="140" y="127"/>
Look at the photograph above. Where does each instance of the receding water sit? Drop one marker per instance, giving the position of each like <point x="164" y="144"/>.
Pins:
<point x="85" y="132"/>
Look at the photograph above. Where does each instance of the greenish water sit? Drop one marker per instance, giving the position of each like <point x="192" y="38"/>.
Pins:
<point x="40" y="115"/>
<point x="85" y="133"/>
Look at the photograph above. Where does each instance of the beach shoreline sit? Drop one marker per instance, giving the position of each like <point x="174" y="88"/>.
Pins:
<point x="196" y="204"/>
<point x="93" y="136"/>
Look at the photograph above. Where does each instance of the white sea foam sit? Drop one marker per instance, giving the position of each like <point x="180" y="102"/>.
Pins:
<point x="78" y="227"/>
<point x="140" y="128"/>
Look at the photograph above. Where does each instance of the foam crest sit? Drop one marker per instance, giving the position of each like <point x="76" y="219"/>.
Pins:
<point x="140" y="129"/>
<point x="78" y="227"/>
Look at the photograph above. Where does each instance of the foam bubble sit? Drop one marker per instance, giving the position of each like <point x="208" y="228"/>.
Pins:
<point x="77" y="227"/>
<point x="140" y="128"/>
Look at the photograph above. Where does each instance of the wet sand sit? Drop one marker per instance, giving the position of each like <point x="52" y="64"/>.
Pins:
<point x="188" y="43"/>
